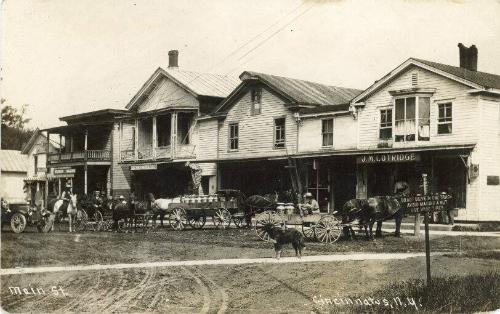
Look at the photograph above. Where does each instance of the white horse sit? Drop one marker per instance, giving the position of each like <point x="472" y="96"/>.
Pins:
<point x="71" y="210"/>
<point x="160" y="207"/>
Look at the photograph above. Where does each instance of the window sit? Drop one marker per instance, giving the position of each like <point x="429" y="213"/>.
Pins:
<point x="163" y="130"/>
<point x="385" y="124"/>
<point x="424" y="104"/>
<point x="233" y="136"/>
<point x="405" y="119"/>
<point x="256" y="101"/>
<point x="36" y="163"/>
<point x="327" y="132"/>
<point x="279" y="133"/>
<point x="183" y="128"/>
<point x="444" y="118"/>
<point x="406" y="115"/>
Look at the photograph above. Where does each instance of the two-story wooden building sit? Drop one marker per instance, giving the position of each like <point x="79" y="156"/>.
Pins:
<point x="258" y="128"/>
<point x="159" y="142"/>
<point x="85" y="156"/>
<point x="437" y="119"/>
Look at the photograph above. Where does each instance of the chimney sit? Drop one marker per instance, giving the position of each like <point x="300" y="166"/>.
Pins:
<point x="468" y="57"/>
<point x="173" y="56"/>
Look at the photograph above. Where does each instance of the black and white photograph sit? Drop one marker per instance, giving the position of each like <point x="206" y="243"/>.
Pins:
<point x="233" y="156"/>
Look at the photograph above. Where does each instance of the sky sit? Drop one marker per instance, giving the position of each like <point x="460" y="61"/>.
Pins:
<point x="64" y="57"/>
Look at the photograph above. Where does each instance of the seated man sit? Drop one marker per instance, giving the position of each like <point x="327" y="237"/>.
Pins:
<point x="310" y="205"/>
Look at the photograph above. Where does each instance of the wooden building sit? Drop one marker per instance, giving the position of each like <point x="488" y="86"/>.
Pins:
<point x="161" y="133"/>
<point x="39" y="181"/>
<point x="85" y="156"/>
<point x="260" y="129"/>
<point x="437" y="119"/>
<point x="13" y="169"/>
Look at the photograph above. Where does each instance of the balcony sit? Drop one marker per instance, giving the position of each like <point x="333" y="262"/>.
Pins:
<point x="165" y="152"/>
<point x="87" y="155"/>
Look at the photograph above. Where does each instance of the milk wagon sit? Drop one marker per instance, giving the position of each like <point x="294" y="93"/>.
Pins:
<point x="223" y="208"/>
<point x="323" y="227"/>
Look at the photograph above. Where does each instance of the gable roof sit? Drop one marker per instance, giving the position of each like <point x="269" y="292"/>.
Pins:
<point x="197" y="84"/>
<point x="474" y="79"/>
<point x="13" y="161"/>
<point x="484" y="79"/>
<point x="297" y="92"/>
<point x="36" y="134"/>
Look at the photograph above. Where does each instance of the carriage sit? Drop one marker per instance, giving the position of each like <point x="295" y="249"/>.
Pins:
<point x="224" y="209"/>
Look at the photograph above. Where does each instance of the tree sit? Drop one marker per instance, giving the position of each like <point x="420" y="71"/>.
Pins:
<point x="14" y="132"/>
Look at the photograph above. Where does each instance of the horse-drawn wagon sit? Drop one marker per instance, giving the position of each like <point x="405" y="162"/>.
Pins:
<point x="323" y="227"/>
<point x="224" y="208"/>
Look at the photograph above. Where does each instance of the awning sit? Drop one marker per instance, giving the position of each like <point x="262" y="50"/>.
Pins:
<point x="358" y="152"/>
<point x="36" y="178"/>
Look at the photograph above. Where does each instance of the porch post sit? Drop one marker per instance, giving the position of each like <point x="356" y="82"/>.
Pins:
<point x="85" y="179"/>
<point x="154" y="137"/>
<point x="173" y="134"/>
<point x="136" y="139"/>
<point x="60" y="145"/>
<point x="86" y="142"/>
<point x="59" y="190"/>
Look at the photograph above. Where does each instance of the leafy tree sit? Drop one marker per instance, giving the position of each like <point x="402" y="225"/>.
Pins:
<point x="14" y="134"/>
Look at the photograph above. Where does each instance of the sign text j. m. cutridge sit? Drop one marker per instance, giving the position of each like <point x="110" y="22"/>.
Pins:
<point x="388" y="157"/>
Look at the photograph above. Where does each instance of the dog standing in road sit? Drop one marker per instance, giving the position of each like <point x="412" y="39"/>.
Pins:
<point x="283" y="237"/>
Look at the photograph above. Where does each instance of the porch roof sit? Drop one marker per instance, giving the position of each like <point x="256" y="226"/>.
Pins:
<point x="356" y="152"/>
<point x="76" y="127"/>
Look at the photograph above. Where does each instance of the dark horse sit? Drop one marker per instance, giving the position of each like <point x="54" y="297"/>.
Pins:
<point x="367" y="212"/>
<point x="122" y="210"/>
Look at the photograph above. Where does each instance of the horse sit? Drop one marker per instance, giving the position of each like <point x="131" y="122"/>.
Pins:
<point x="122" y="210"/>
<point x="159" y="207"/>
<point x="367" y="212"/>
<point x="62" y="208"/>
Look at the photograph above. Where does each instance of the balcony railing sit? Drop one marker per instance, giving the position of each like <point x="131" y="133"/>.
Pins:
<point x="87" y="155"/>
<point x="147" y="153"/>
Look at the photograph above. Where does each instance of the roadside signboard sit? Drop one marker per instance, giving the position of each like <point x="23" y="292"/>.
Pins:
<point x="425" y="203"/>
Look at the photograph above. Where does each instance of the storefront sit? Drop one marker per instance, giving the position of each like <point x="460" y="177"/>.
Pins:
<point x="447" y="171"/>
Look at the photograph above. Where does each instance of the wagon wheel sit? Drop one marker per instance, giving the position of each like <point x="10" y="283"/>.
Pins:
<point x="222" y="218"/>
<point x="197" y="221"/>
<point x="239" y="220"/>
<point x="308" y="230"/>
<point x="97" y="221"/>
<point x="266" y="218"/>
<point x="18" y="222"/>
<point x="82" y="220"/>
<point x="177" y="219"/>
<point x="328" y="229"/>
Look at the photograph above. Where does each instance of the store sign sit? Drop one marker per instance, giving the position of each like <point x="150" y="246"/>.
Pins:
<point x="144" y="167"/>
<point x="425" y="203"/>
<point x="387" y="158"/>
<point x="64" y="171"/>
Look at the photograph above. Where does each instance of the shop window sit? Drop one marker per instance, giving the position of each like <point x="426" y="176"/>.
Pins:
<point x="327" y="132"/>
<point x="405" y="119"/>
<point x="279" y="133"/>
<point x="233" y="136"/>
<point x="256" y="94"/>
<point x="424" y="118"/>
<point x="385" y="124"/>
<point x="444" y="118"/>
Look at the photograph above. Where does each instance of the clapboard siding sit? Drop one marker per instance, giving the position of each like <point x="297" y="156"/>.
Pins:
<point x="127" y="135"/>
<point x="256" y="132"/>
<point x="465" y="110"/>
<point x="207" y="140"/>
<point x="167" y="94"/>
<point x="311" y="138"/>
<point x="489" y="164"/>
<point x="121" y="174"/>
